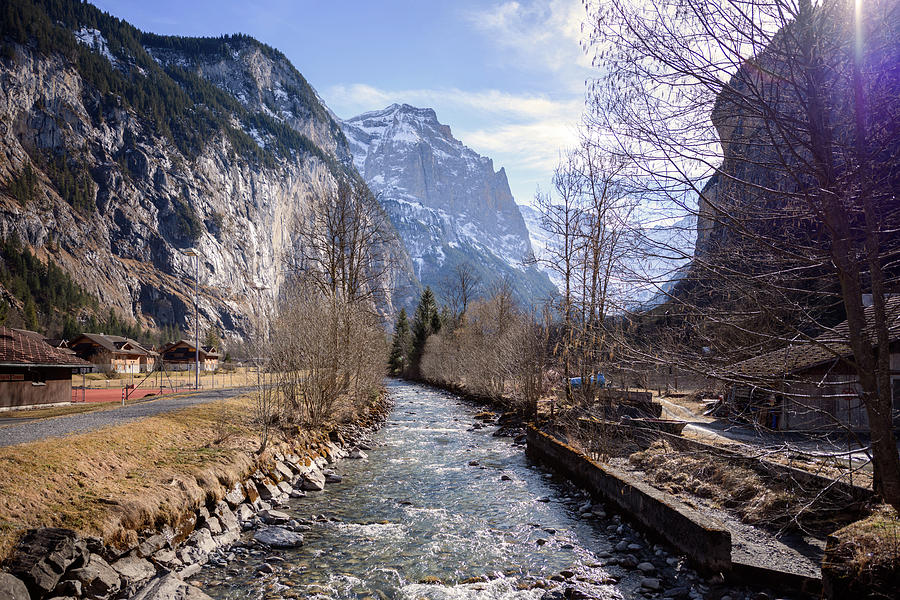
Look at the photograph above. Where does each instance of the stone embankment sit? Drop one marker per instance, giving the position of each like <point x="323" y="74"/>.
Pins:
<point x="58" y="564"/>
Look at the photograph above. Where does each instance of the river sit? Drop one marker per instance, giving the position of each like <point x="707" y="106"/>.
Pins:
<point x="436" y="505"/>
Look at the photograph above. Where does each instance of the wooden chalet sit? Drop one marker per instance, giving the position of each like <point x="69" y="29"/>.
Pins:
<point x="181" y="356"/>
<point x="812" y="385"/>
<point x="34" y="373"/>
<point x="114" y="353"/>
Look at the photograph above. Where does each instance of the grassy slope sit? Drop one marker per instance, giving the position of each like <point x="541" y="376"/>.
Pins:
<point x="119" y="480"/>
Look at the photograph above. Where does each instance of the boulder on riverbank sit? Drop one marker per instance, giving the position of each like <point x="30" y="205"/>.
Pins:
<point x="43" y="555"/>
<point x="278" y="537"/>
<point x="170" y="587"/>
<point x="13" y="588"/>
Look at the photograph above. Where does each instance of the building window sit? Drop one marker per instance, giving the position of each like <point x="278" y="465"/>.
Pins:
<point x="38" y="378"/>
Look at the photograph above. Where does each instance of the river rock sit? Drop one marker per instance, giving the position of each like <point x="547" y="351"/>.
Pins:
<point x="314" y="481"/>
<point x="167" y="558"/>
<point x="244" y="512"/>
<point x="646" y="567"/>
<point x="651" y="583"/>
<point x="213" y="525"/>
<point x="43" y="555"/>
<point x="13" y="588"/>
<point x="235" y="495"/>
<point x="67" y="588"/>
<point x="226" y="517"/>
<point x="267" y="489"/>
<point x="283" y="470"/>
<point x="134" y="569"/>
<point x="274" y="517"/>
<point x="97" y="577"/>
<point x="333" y="478"/>
<point x="278" y="537"/>
<point x="356" y="453"/>
<point x="151" y="545"/>
<point x="250" y="491"/>
<point x="202" y="541"/>
<point x="170" y="587"/>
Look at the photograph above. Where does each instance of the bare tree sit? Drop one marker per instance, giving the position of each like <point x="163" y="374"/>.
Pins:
<point x="561" y="219"/>
<point x="344" y="242"/>
<point x="463" y="284"/>
<point x="796" y="176"/>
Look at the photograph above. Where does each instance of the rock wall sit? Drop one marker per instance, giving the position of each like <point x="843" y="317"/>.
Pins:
<point x="268" y="145"/>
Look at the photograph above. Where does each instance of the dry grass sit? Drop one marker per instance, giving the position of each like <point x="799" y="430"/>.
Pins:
<point x="119" y="480"/>
<point x="867" y="554"/>
<point x="758" y="500"/>
<point x="53" y="411"/>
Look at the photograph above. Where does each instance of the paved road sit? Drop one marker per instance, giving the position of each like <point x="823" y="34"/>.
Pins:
<point x="38" y="429"/>
<point x="825" y="444"/>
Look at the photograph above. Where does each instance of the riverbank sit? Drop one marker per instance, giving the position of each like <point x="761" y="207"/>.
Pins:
<point x="117" y="487"/>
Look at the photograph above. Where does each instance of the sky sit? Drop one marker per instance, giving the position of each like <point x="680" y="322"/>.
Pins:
<point x="508" y="77"/>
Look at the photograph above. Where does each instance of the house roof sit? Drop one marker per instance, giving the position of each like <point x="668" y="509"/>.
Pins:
<point x="116" y="344"/>
<point x="825" y="348"/>
<point x="205" y="351"/>
<point x="21" y="349"/>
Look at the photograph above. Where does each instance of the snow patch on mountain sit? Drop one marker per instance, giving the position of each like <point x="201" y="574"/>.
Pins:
<point x="93" y="39"/>
<point x="445" y="200"/>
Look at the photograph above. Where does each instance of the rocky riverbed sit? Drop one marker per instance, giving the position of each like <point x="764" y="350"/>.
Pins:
<point x="440" y="504"/>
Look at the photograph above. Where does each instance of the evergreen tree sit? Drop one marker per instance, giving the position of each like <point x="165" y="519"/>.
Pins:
<point x="71" y="328"/>
<point x="31" y="318"/>
<point x="212" y="339"/>
<point x="424" y="320"/>
<point x="400" y="347"/>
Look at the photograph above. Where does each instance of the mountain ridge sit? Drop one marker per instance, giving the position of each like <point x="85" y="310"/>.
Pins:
<point x="445" y="200"/>
<point x="141" y="146"/>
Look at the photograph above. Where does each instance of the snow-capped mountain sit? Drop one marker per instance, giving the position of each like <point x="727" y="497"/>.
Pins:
<point x="444" y="199"/>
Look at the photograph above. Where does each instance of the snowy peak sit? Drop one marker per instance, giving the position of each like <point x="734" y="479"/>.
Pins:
<point x="445" y="199"/>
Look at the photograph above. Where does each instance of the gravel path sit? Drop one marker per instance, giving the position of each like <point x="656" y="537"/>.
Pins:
<point x="38" y="429"/>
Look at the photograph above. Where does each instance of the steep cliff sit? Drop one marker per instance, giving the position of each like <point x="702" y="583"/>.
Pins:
<point x="142" y="146"/>
<point x="445" y="200"/>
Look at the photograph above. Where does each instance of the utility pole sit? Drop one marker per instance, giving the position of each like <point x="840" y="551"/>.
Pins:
<point x="192" y="252"/>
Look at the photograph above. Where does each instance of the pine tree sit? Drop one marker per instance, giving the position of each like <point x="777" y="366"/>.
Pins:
<point x="424" y="320"/>
<point x="400" y="347"/>
<point x="31" y="317"/>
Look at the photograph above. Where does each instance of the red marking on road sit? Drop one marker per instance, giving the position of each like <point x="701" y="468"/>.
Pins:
<point x="115" y="394"/>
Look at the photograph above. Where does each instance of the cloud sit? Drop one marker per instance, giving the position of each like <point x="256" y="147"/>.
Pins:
<point x="533" y="146"/>
<point x="362" y="97"/>
<point x="537" y="34"/>
<point x="524" y="133"/>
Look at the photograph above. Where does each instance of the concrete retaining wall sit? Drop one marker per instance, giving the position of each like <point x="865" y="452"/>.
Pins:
<point x="804" y="478"/>
<point x="701" y="538"/>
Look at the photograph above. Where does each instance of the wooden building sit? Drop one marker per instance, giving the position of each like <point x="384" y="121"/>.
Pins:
<point x="114" y="353"/>
<point x="182" y="355"/>
<point x="811" y="385"/>
<point x="34" y="373"/>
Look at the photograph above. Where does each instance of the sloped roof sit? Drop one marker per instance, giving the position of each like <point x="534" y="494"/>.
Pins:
<point x="116" y="344"/>
<point x="205" y="351"/>
<point x="18" y="348"/>
<point x="825" y="348"/>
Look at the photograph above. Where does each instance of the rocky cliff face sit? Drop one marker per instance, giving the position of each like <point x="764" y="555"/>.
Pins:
<point x="446" y="201"/>
<point x="172" y="143"/>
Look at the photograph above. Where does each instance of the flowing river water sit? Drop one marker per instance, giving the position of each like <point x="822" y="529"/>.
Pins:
<point x="420" y="519"/>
